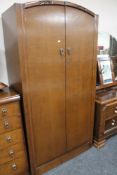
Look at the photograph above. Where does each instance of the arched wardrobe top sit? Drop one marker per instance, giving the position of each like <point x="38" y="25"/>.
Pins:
<point x="61" y="3"/>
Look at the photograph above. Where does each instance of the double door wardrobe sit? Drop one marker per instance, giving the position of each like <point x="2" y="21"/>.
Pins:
<point x="51" y="62"/>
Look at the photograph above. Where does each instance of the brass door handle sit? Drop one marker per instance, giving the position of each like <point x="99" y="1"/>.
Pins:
<point x="69" y="51"/>
<point x="6" y="124"/>
<point x="62" y="51"/>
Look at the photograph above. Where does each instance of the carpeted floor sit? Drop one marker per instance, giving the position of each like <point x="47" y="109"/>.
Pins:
<point x="92" y="162"/>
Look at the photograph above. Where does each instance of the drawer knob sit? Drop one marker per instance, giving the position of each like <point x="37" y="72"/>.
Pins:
<point x="113" y="123"/>
<point x="9" y="139"/>
<point x="14" y="166"/>
<point x="11" y="153"/>
<point x="6" y="124"/>
<point x="4" y="110"/>
<point x="116" y="111"/>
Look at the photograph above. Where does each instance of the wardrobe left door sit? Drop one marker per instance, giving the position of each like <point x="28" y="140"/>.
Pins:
<point x="45" y="67"/>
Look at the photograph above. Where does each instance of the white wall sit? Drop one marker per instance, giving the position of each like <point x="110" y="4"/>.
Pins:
<point x="107" y="10"/>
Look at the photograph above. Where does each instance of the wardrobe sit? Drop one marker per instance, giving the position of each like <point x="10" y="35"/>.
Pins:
<point x="51" y="61"/>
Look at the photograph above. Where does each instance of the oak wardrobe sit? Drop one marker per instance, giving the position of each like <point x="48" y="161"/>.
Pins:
<point x="51" y="61"/>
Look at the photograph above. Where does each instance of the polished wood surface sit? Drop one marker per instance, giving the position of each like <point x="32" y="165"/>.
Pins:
<point x="17" y="149"/>
<point x="105" y="109"/>
<point x="79" y="76"/>
<point x="59" y="160"/>
<point x="20" y="164"/>
<point x="62" y="3"/>
<point x="16" y="136"/>
<point x="7" y="96"/>
<point x="12" y="142"/>
<point x="109" y="95"/>
<point x="12" y="109"/>
<point x="7" y="124"/>
<point x="11" y="39"/>
<point x="106" y="86"/>
<point x="53" y="81"/>
<point x="10" y="115"/>
<point x="46" y="70"/>
<point x="105" y="116"/>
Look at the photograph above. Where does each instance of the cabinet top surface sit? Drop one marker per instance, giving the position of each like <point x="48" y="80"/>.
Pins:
<point x="8" y="95"/>
<point x="106" y="96"/>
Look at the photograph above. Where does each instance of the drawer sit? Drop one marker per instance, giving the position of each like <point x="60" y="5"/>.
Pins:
<point x="18" y="166"/>
<point x="110" y="110"/>
<point x="111" y="123"/>
<point x="10" y="109"/>
<point x="10" y="123"/>
<point x="12" y="152"/>
<point x="11" y="138"/>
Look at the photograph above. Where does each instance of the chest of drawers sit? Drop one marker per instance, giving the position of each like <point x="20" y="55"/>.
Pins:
<point x="105" y="116"/>
<point x="13" y="158"/>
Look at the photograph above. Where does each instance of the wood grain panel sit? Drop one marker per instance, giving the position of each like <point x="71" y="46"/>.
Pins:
<point x="9" y="20"/>
<point x="79" y="76"/>
<point x="9" y="124"/>
<point x="60" y="160"/>
<point x="21" y="167"/>
<point x="10" y="109"/>
<point x="16" y="137"/>
<point x="14" y="151"/>
<point x="45" y="35"/>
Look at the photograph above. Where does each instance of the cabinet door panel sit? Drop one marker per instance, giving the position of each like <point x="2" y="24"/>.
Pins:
<point x="45" y="35"/>
<point x="79" y="72"/>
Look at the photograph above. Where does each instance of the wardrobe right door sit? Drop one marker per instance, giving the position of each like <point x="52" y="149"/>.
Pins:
<point x="80" y="28"/>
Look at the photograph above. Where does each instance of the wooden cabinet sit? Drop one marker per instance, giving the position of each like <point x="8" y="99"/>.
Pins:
<point x="106" y="100"/>
<point x="105" y="116"/>
<point x="13" y="158"/>
<point x="51" y="60"/>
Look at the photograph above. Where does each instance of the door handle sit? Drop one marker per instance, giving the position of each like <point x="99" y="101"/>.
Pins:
<point x="62" y="51"/>
<point x="69" y="51"/>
